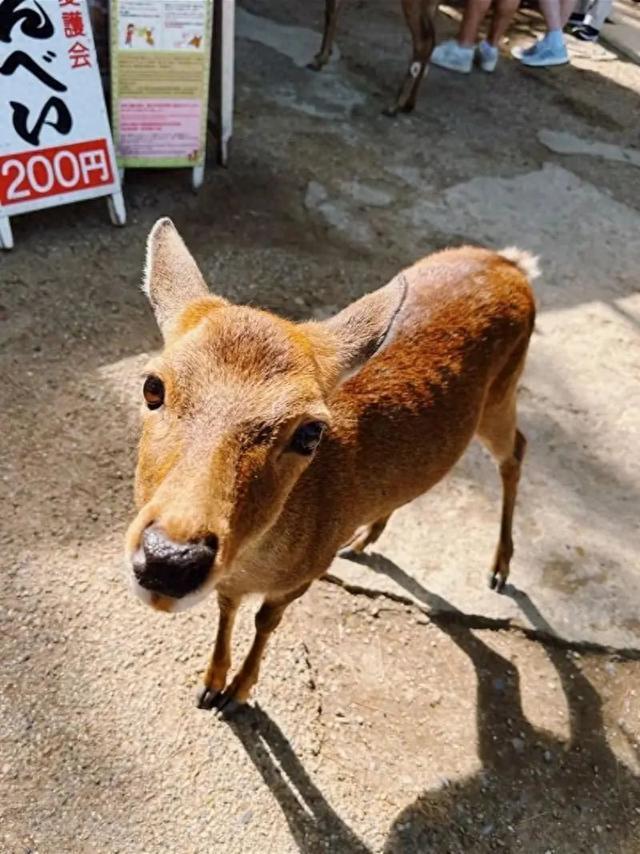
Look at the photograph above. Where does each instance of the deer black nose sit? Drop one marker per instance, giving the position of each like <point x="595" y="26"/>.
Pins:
<point x="173" y="569"/>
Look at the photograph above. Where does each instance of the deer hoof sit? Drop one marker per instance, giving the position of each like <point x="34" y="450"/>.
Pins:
<point x="206" y="698"/>
<point x="230" y="710"/>
<point x="393" y="111"/>
<point x="315" y="64"/>
<point x="349" y="553"/>
<point x="497" y="582"/>
<point x="226" y="707"/>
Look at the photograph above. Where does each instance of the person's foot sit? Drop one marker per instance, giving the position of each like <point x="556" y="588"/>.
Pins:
<point x="543" y="54"/>
<point x="518" y="52"/>
<point x="585" y="33"/>
<point x="453" y="56"/>
<point x="487" y="56"/>
<point x="575" y="20"/>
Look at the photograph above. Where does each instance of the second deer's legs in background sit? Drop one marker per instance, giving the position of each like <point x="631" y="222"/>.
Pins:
<point x="331" y="12"/>
<point x="419" y="15"/>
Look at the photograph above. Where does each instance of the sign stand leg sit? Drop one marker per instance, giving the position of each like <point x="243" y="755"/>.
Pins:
<point x="227" y="59"/>
<point x="197" y="177"/>
<point x="6" y="237"/>
<point x="117" y="210"/>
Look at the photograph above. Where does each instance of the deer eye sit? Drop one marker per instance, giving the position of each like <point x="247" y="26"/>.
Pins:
<point x="264" y="435"/>
<point x="307" y="438"/>
<point x="153" y="391"/>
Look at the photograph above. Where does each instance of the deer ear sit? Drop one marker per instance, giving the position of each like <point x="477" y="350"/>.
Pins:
<point x="344" y="343"/>
<point x="171" y="278"/>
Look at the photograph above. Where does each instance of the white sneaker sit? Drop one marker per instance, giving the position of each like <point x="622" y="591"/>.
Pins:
<point x="487" y="56"/>
<point x="452" y="56"/>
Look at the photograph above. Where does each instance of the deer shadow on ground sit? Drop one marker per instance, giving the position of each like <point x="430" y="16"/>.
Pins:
<point x="314" y="824"/>
<point x="534" y="791"/>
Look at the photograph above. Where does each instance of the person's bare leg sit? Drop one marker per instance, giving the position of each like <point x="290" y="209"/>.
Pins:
<point x="502" y="17"/>
<point x="566" y="9"/>
<point x="552" y="48"/>
<point x="552" y="14"/>
<point x="472" y="17"/>
<point x="556" y="12"/>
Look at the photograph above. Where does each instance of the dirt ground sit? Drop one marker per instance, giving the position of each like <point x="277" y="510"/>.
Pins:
<point x="403" y="707"/>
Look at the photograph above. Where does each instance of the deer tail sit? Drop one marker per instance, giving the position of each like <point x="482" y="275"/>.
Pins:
<point x="523" y="260"/>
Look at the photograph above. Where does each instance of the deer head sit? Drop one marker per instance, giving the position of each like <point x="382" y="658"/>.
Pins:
<point x="234" y="409"/>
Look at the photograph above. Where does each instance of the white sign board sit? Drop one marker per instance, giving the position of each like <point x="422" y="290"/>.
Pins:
<point x="160" y="59"/>
<point x="55" y="140"/>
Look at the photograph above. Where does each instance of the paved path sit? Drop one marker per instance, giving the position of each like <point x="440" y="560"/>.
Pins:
<point x="405" y="712"/>
<point x="624" y="33"/>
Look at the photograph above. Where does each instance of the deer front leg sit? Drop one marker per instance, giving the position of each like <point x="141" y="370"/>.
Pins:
<point x="419" y="15"/>
<point x="331" y="11"/>
<point x="267" y="620"/>
<point x="216" y="676"/>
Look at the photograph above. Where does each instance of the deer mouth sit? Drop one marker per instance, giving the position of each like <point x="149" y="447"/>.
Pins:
<point x="168" y="575"/>
<point x="161" y="601"/>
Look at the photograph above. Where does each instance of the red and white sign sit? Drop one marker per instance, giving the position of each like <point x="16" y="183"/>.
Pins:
<point x="55" y="139"/>
<point x="52" y="172"/>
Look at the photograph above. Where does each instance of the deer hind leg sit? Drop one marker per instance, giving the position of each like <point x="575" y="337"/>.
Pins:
<point x="331" y="11"/>
<point x="364" y="536"/>
<point x="498" y="430"/>
<point x="419" y="15"/>
<point x="267" y="620"/>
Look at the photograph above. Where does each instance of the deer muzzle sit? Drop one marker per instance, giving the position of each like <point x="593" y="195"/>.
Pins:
<point x="172" y="569"/>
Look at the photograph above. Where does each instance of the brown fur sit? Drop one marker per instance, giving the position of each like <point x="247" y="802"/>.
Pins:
<point x="420" y="18"/>
<point x="437" y="354"/>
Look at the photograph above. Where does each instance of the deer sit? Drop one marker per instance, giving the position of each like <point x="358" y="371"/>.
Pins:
<point x="268" y="445"/>
<point x="420" y="18"/>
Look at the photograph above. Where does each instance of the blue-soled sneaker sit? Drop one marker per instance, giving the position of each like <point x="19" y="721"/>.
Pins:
<point x="452" y="56"/>
<point x="519" y="51"/>
<point x="542" y="55"/>
<point x="487" y="56"/>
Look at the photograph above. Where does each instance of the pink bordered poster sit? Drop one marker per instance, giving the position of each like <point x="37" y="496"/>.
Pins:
<point x="160" y="61"/>
<point x="55" y="139"/>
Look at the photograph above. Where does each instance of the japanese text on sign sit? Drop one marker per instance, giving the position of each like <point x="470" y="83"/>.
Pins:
<point x="56" y="140"/>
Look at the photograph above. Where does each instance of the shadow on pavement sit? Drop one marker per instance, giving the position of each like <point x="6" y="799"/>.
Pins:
<point x="534" y="789"/>
<point x="314" y="824"/>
